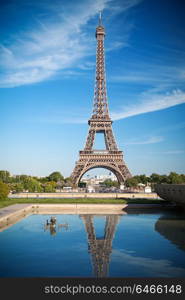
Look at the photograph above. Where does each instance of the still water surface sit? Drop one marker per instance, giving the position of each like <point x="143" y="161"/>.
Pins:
<point x="131" y="245"/>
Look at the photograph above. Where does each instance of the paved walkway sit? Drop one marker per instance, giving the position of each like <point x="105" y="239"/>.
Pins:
<point x="12" y="209"/>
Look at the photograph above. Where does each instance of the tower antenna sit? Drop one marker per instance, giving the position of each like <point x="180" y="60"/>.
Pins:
<point x="100" y="18"/>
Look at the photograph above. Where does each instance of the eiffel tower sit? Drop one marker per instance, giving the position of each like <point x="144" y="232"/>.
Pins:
<point x="100" y="122"/>
<point x="100" y="248"/>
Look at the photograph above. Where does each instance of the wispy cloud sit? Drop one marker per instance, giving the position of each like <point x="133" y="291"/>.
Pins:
<point x="149" y="102"/>
<point x="88" y="65"/>
<point x="38" y="55"/>
<point x="54" y="45"/>
<point x="173" y="152"/>
<point x="150" y="140"/>
<point x="151" y="74"/>
<point x="155" y="267"/>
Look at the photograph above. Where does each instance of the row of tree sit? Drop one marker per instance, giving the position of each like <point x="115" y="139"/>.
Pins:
<point x="172" y="178"/>
<point x="56" y="181"/>
<point x="21" y="183"/>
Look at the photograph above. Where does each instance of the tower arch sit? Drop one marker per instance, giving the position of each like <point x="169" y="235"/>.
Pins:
<point x="110" y="168"/>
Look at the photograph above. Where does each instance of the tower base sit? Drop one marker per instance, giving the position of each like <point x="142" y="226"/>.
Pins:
<point x="111" y="160"/>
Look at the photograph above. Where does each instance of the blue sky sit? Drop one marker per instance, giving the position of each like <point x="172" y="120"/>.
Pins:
<point x="47" y="66"/>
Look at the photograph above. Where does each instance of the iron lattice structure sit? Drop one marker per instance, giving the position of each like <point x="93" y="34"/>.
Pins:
<point x="100" y="122"/>
<point x="100" y="248"/>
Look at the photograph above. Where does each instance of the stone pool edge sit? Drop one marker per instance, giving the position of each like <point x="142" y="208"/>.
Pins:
<point x="13" y="213"/>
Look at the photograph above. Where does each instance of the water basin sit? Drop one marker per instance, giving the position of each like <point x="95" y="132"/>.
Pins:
<point x="136" y="244"/>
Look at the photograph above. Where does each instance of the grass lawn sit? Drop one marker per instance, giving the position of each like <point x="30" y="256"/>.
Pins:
<point x="4" y="203"/>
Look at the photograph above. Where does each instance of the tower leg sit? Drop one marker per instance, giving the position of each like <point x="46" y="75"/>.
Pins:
<point x="114" y="163"/>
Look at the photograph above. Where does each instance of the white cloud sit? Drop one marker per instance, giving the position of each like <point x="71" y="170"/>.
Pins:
<point x="53" y="46"/>
<point x="150" y="73"/>
<point x="155" y="267"/>
<point x="174" y="152"/>
<point x="87" y="65"/>
<point x="150" y="140"/>
<point x="39" y="54"/>
<point x="150" y="102"/>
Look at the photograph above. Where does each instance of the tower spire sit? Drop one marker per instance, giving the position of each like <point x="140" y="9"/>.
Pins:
<point x="100" y="18"/>
<point x="100" y="109"/>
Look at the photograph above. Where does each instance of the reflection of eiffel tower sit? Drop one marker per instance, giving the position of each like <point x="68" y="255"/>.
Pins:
<point x="100" y="248"/>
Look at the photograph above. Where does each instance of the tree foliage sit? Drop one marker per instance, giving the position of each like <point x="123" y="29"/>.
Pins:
<point x="175" y="178"/>
<point x="68" y="181"/>
<point x="49" y="187"/>
<point x="55" y="180"/>
<point x="56" y="176"/>
<point x="4" y="176"/>
<point x="154" y="178"/>
<point x="110" y="183"/>
<point x="32" y="185"/>
<point x="16" y="187"/>
<point x="132" y="182"/>
<point x="4" y="190"/>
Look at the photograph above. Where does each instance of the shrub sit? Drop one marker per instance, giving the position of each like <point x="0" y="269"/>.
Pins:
<point x="4" y="190"/>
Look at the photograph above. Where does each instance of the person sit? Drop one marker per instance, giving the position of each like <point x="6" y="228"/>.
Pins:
<point x="52" y="230"/>
<point x="52" y="221"/>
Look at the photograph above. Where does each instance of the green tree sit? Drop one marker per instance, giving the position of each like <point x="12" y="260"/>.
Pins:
<point x="23" y="178"/>
<point x="56" y="176"/>
<point x="68" y="181"/>
<point x="155" y="178"/>
<point x="16" y="187"/>
<point x="143" y="179"/>
<point x="60" y="185"/>
<point x="132" y="182"/>
<point x="43" y="179"/>
<point x="4" y="176"/>
<point x="49" y="187"/>
<point x="32" y="185"/>
<point x="175" y="178"/>
<point x="164" y="179"/>
<point x="110" y="183"/>
<point x="183" y="178"/>
<point x="4" y="190"/>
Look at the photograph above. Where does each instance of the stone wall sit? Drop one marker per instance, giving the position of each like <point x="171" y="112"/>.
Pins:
<point x="86" y="195"/>
<point x="172" y="192"/>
